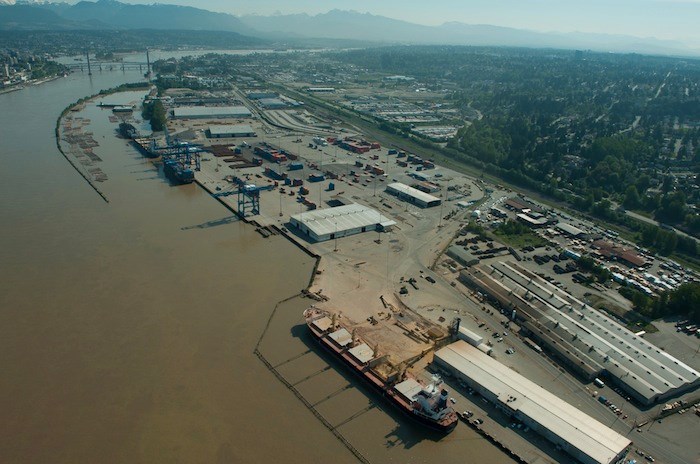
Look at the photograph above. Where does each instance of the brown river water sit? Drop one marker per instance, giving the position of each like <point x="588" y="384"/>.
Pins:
<point x="128" y="328"/>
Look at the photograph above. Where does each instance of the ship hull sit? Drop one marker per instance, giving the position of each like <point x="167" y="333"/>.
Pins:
<point x="177" y="173"/>
<point x="144" y="150"/>
<point x="380" y="388"/>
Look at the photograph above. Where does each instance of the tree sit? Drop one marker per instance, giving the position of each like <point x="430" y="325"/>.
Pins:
<point x="632" y="200"/>
<point x="672" y="208"/>
<point x="667" y="185"/>
<point x="643" y="183"/>
<point x="154" y="111"/>
<point x="683" y="301"/>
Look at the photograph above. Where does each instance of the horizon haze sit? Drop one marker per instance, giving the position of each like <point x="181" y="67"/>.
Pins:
<point x="662" y="19"/>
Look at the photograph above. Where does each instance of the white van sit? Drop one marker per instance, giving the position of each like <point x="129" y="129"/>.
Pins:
<point x="598" y="383"/>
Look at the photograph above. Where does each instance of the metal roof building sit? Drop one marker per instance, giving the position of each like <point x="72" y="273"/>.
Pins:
<point x="412" y="195"/>
<point x="321" y="89"/>
<point x="531" y="221"/>
<point x="201" y="112"/>
<point x="462" y="256"/>
<point x="330" y="223"/>
<point x="225" y="131"/>
<point x="570" y="230"/>
<point x="583" y="437"/>
<point x="261" y="95"/>
<point x="588" y="341"/>
<point x="272" y="103"/>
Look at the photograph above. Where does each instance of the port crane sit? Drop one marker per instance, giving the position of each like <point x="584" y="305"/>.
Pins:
<point x="184" y="153"/>
<point x="248" y="196"/>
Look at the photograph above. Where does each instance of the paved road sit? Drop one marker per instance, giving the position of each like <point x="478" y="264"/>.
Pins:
<point x="654" y="222"/>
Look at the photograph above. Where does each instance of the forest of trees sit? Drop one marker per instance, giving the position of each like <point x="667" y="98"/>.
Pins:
<point x="596" y="130"/>
<point x="154" y="112"/>
<point x="683" y="302"/>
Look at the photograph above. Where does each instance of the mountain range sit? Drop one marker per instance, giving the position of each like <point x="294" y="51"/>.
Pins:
<point x="336" y="24"/>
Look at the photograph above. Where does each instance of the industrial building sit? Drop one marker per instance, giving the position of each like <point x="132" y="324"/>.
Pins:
<point x="520" y="205"/>
<point x="411" y="195"/>
<point x="623" y="255"/>
<point x="261" y="95"/>
<point x="272" y="103"/>
<point x="578" y="434"/>
<point x="225" y="131"/>
<point x="474" y="340"/>
<point x="330" y="223"/>
<point x="201" y="112"/>
<point x="568" y="229"/>
<point x="462" y="256"/>
<point x="588" y="342"/>
<point x="532" y="219"/>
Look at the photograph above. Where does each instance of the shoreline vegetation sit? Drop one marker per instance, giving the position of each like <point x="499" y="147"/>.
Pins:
<point x="82" y="101"/>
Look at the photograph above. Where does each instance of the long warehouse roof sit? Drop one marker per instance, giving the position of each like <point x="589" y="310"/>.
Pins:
<point x="514" y="391"/>
<point x="217" y="129"/>
<point x="569" y="229"/>
<point x="597" y="339"/>
<point x="415" y="193"/>
<point x="347" y="217"/>
<point x="194" y="111"/>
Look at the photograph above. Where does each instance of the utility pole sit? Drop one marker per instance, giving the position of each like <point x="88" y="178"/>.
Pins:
<point x="280" y="203"/>
<point x="441" y="204"/>
<point x="336" y="236"/>
<point x="148" y="65"/>
<point x="87" y="54"/>
<point x="320" y="188"/>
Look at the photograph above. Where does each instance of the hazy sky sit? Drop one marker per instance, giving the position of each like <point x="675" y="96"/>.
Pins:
<point x="664" y="19"/>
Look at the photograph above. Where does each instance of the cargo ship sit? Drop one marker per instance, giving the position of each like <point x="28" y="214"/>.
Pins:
<point x="145" y="146"/>
<point x="127" y="131"/>
<point x="426" y="404"/>
<point x="177" y="172"/>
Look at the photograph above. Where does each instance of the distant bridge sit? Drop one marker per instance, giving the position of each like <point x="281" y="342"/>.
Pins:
<point x="108" y="66"/>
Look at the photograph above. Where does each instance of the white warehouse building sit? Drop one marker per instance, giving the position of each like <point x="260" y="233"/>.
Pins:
<point x="587" y="341"/>
<point x="412" y="195"/>
<point x="202" y="112"/>
<point x="226" y="131"/>
<point x="330" y="223"/>
<point x="577" y="433"/>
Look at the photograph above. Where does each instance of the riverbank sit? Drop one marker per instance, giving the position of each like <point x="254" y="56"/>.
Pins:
<point x="81" y="148"/>
<point x="34" y="82"/>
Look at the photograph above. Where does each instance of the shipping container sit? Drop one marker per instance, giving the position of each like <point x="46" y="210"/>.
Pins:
<point x="273" y="174"/>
